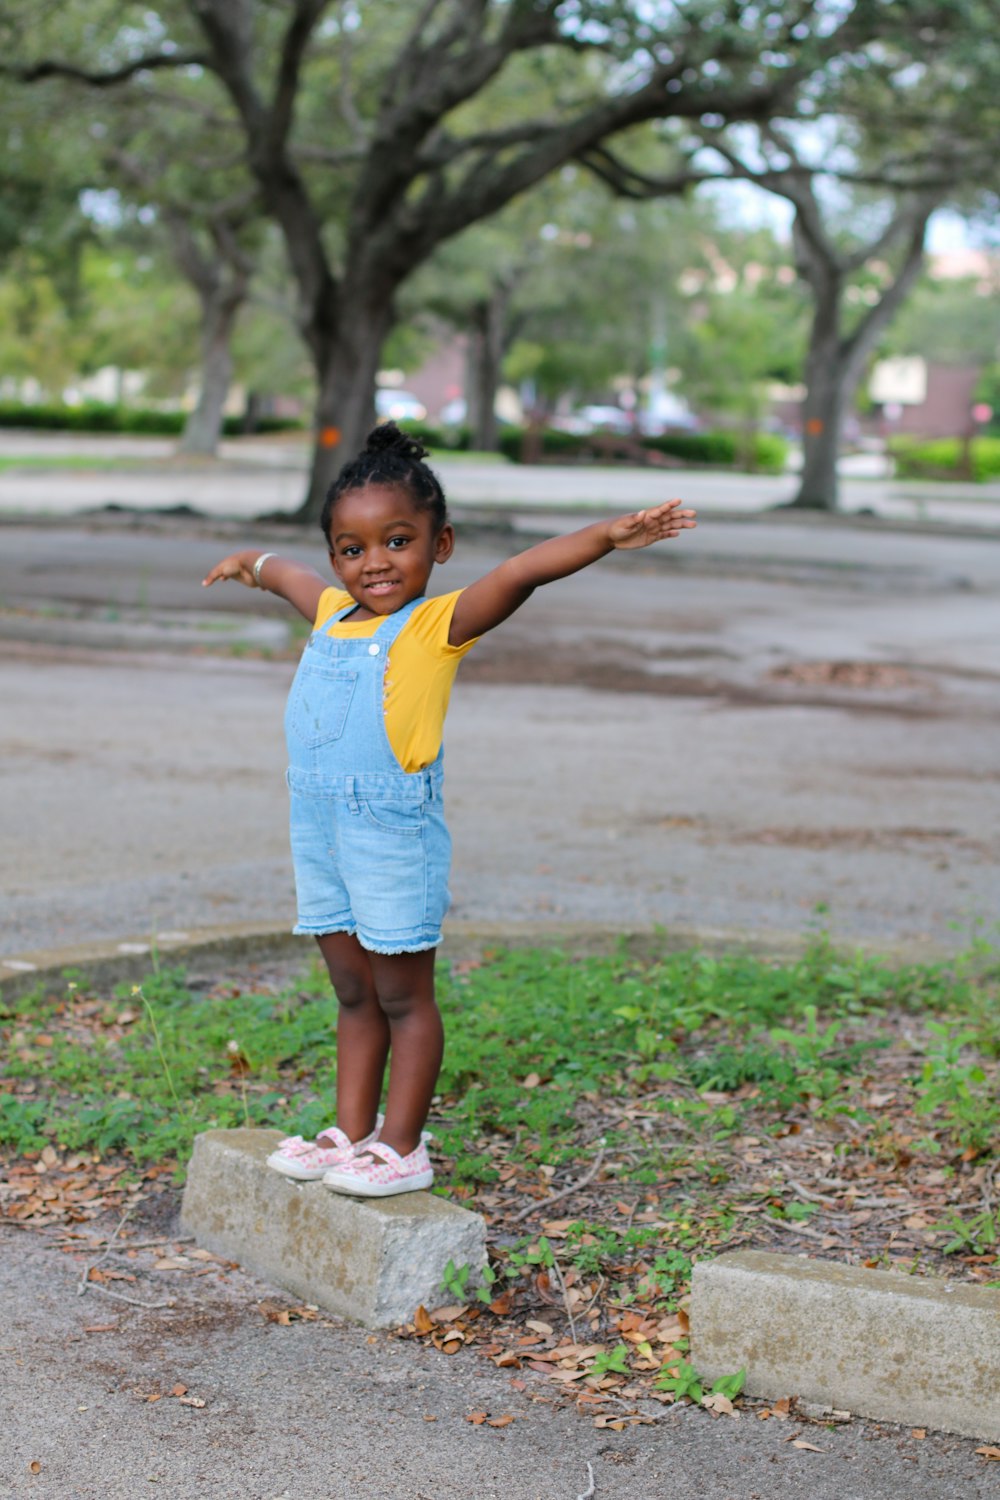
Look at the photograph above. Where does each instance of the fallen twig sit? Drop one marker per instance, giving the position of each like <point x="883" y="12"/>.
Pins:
<point x="574" y="1187"/>
<point x="585" y="1494"/>
<point x="565" y="1293"/>
<point x="95" y="1286"/>
<point x="85" y="1278"/>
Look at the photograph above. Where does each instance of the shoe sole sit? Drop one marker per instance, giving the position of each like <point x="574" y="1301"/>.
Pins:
<point x="289" y="1168"/>
<point x="355" y="1189"/>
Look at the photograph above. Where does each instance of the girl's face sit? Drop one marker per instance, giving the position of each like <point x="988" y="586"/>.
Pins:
<point x="383" y="547"/>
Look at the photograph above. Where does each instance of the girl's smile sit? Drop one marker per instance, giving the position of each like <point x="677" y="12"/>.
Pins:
<point x="383" y="547"/>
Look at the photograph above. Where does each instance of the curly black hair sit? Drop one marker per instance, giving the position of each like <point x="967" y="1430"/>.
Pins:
<point x="389" y="457"/>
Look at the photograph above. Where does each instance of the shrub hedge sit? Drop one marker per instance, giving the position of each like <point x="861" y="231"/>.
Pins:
<point x="712" y="449"/>
<point x="96" y="416"/>
<point x="945" y="458"/>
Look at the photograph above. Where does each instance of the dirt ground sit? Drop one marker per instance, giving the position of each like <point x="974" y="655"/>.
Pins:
<point x="763" y="727"/>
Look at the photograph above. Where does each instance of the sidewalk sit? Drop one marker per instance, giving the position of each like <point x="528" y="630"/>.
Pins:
<point x="255" y="476"/>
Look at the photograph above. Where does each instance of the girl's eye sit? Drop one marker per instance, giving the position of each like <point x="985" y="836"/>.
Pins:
<point x="398" y="542"/>
<point x="351" y="552"/>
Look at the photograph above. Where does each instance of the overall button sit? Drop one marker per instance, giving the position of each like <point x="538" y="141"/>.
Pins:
<point x="373" y="649"/>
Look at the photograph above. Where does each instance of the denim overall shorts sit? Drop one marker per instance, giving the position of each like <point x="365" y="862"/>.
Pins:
<point x="369" y="842"/>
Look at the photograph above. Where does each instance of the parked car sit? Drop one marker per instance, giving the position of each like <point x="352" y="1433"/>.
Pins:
<point x="667" y="413"/>
<point x="604" y="419"/>
<point x="398" y="406"/>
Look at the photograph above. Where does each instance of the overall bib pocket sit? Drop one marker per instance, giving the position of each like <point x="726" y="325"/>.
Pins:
<point x="319" y="703"/>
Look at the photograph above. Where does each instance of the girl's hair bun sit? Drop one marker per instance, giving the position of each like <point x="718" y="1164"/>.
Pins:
<point x="387" y="438"/>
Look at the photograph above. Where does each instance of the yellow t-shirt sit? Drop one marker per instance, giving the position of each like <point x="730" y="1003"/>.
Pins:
<point x="418" y="675"/>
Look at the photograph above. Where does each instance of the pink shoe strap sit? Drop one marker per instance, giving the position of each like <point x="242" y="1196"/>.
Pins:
<point x="333" y="1138"/>
<point x="384" y="1153"/>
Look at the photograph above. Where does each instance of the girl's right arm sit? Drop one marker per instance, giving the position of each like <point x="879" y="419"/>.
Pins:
<point x="293" y="581"/>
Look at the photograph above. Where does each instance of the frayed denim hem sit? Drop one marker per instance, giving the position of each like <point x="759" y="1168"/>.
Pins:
<point x="323" y="929"/>
<point x="398" y="945"/>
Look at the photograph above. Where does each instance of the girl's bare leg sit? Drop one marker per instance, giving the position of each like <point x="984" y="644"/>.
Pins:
<point x="404" y="983"/>
<point x="362" y="1033"/>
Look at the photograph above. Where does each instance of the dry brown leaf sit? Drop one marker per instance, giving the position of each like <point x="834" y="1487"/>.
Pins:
<point x="101" y="1328"/>
<point x="532" y="1081"/>
<point x="192" y="1401"/>
<point x="809" y="1447"/>
<point x="503" y="1421"/>
<point x="718" y="1404"/>
<point x="988" y="1452"/>
<point x="919" y="1432"/>
<point x="422" y="1320"/>
<point x="477" y="1418"/>
<point x="428" y="1418"/>
<point x="34" y="1467"/>
<point x="538" y="1327"/>
<point x="274" y="1314"/>
<point x="449" y="1314"/>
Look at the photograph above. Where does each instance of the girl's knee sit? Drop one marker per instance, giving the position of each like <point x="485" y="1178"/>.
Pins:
<point x="349" y="969"/>
<point x="353" y="988"/>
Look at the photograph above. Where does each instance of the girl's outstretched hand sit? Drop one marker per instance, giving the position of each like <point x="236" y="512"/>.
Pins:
<point x="238" y="565"/>
<point x="644" y="527"/>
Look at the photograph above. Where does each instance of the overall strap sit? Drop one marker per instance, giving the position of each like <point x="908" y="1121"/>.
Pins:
<point x="394" y="624"/>
<point x="386" y="632"/>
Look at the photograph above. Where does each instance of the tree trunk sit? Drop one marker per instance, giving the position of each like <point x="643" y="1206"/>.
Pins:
<point x="822" y="424"/>
<point x="836" y="361"/>
<point x="204" y="426"/>
<point x="487" y="343"/>
<point x="345" y="407"/>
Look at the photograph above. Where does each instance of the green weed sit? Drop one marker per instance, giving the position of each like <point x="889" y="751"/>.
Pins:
<point x="957" y="1089"/>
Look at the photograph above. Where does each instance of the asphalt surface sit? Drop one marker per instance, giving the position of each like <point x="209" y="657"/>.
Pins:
<point x="785" y="726"/>
<point x="772" y="715"/>
<point x="325" y="1411"/>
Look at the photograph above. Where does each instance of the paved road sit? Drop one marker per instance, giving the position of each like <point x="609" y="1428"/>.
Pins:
<point x="785" y="717"/>
<point x="260" y="476"/>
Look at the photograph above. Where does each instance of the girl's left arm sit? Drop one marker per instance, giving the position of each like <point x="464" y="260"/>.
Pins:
<point x="487" y="602"/>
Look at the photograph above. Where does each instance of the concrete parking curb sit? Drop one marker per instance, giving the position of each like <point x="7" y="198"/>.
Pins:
<point x="921" y="1351"/>
<point x="372" y="1260"/>
<point x="129" y="961"/>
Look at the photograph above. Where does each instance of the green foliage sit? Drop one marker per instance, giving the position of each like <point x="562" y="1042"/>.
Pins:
<point x="681" y="1379"/>
<point x="611" y="1361"/>
<point x="978" y="1235"/>
<point x="947" y="458"/>
<point x="729" y="1386"/>
<point x="953" y="1085"/>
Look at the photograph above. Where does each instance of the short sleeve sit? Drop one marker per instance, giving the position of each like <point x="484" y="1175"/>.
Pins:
<point x="331" y="601"/>
<point x="431" y="623"/>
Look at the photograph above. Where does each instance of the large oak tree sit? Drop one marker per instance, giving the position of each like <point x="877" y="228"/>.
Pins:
<point x="357" y="125"/>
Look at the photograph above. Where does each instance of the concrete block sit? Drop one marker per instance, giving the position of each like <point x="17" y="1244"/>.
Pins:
<point x="917" y="1350"/>
<point x="373" y="1260"/>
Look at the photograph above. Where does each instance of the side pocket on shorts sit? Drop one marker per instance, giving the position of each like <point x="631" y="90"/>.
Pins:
<point x="390" y="816"/>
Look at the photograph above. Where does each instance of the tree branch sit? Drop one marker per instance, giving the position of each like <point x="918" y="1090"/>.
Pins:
<point x="293" y="50"/>
<point x="100" y="78"/>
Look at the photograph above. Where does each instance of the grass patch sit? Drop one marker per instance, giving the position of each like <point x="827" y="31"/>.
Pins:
<point x="613" y="1119"/>
<point x="68" y="461"/>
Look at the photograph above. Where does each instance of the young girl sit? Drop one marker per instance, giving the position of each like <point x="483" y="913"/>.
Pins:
<point x="364" y="725"/>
